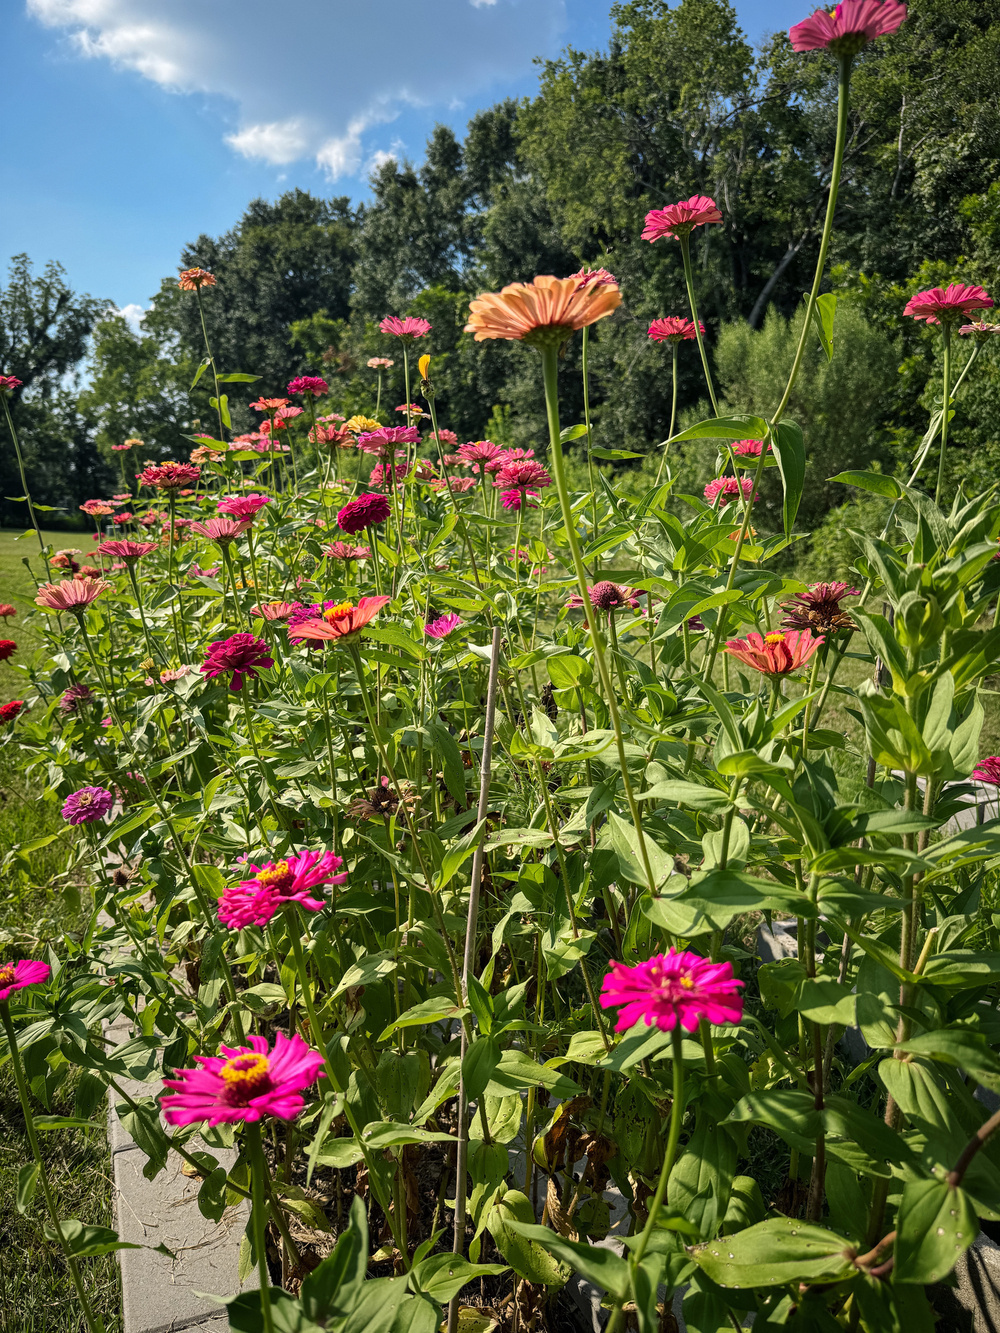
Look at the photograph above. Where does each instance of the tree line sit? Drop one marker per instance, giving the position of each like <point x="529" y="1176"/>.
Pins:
<point x="679" y="103"/>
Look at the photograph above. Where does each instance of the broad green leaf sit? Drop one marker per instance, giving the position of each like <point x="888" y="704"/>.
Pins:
<point x="935" y="1225"/>
<point x="479" y="1066"/>
<point x="790" y="451"/>
<point x="871" y="481"/>
<point x="726" y="428"/>
<point x="774" y="1252"/>
<point x="238" y="377"/>
<point x="442" y="1276"/>
<point x="603" y="1267"/>
<point x="390" y="1134"/>
<point x="424" y="1014"/>
<point x="27" y="1180"/>
<point x="823" y="315"/>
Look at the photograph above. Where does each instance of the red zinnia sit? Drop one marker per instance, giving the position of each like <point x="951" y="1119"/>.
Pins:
<point x="6" y="610"/>
<point x="952" y="303"/>
<point x="852" y="25"/>
<point x="775" y="654"/>
<point x="680" y="219"/>
<point x="7" y="649"/>
<point x="364" y="512"/>
<point x="240" y="654"/>
<point x="9" y="711"/>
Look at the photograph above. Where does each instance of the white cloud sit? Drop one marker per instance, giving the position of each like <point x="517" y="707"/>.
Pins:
<point x="314" y="78"/>
<point x="132" y="314"/>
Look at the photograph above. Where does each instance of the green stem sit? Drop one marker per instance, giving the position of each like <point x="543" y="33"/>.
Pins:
<point x="946" y="395"/>
<point x="24" y="482"/>
<point x="93" y="1324"/>
<point x="673" y="415"/>
<point x="685" y="240"/>
<point x="215" y="373"/>
<point x="258" y="1170"/>
<point x="590" y="442"/>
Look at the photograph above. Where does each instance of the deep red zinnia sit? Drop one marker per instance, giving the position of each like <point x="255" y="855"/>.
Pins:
<point x="364" y="512"/>
<point x="237" y="656"/>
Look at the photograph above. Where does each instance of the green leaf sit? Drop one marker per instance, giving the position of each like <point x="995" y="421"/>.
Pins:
<point x="391" y="1134"/>
<point x="333" y="1287"/>
<point x="237" y="377"/>
<point x="566" y="670"/>
<point x="935" y="1225"/>
<point x="726" y="428"/>
<point x="871" y="481"/>
<point x="201" y="370"/>
<point x="790" y="451"/>
<point x="212" y="1194"/>
<point x="603" y="1267"/>
<point x="597" y="452"/>
<point x="676" y="792"/>
<point x="27" y="1179"/>
<point x="442" y="1276"/>
<point x="569" y="433"/>
<point x="65" y="1122"/>
<point x="826" y="1001"/>
<point x="479" y="1066"/>
<point x="424" y="1014"/>
<point x="222" y="406"/>
<point x="524" y="1254"/>
<point x="517" y="1070"/>
<point x="451" y="757"/>
<point x="774" y="1252"/>
<point x="823" y="314"/>
<point x="625" y="840"/>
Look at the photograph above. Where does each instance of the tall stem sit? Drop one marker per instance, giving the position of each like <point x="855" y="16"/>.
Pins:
<point x="24" y="482"/>
<point x="685" y="240"/>
<point x="673" y="413"/>
<point x="946" y="395"/>
<point x="590" y="442"/>
<point x="211" y="359"/>
<point x="258" y="1170"/>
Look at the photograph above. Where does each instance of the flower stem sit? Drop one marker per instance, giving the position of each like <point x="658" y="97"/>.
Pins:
<point x="93" y="1323"/>
<point x="685" y="241"/>
<point x="24" y="483"/>
<point x="258" y="1170"/>
<point x="946" y="396"/>
<point x="590" y="442"/>
<point x="673" y="415"/>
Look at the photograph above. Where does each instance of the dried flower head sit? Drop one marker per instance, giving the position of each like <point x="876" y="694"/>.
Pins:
<point x="819" y="609"/>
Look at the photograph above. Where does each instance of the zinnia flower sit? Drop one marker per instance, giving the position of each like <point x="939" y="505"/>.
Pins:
<point x="522" y="476"/>
<point x="544" y="311"/>
<point x="515" y="500"/>
<point x="980" y="330"/>
<point x="6" y="611"/>
<point x="775" y="654"/>
<point x="9" y="711"/>
<point x="127" y="551"/>
<point x="7" y="649"/>
<point x="25" y="972"/>
<point x="253" y="902"/>
<point x="748" y="448"/>
<point x="988" y="770"/>
<point x="98" y="508"/>
<point x="345" y="551"/>
<point x="193" y="278"/>
<point x="71" y="698"/>
<point x="852" y="25"/>
<point x="674" y="987"/>
<point x="87" y="805"/>
<point x="169" y="476"/>
<point x="586" y="277"/>
<point x="680" y="219"/>
<point x="240" y="654"/>
<point x="480" y="451"/>
<point x="443" y="626"/>
<point x="309" y="384"/>
<point x="71" y="594"/>
<point x="8" y="383"/>
<point x="673" y="329"/>
<point x="243" y="1083"/>
<point x="364" y="512"/>
<point x="459" y="485"/>
<point x="606" y="596"/>
<point x="358" y="424"/>
<point x="222" y="530"/>
<point x="343" y="621"/>
<point x="727" y="489"/>
<point x="387" y="474"/>
<point x="386" y="439"/>
<point x="243" y="506"/>
<point x="380" y="363"/>
<point x="949" y="304"/>
<point x="819" y="609"/>
<point x="406" y="329"/>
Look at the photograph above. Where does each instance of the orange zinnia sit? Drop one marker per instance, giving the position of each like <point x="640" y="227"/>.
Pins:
<point x="546" y="310"/>
<point x="344" y="622"/>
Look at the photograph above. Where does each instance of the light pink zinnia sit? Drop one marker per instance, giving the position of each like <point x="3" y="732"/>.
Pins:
<point x="244" y="1083"/>
<point x="275" y="885"/>
<point x="127" y="551"/>
<point x="274" y="610"/>
<point x="243" y="506"/>
<point x="952" y="303"/>
<point x="852" y="25"/>
<point x="409" y="328"/>
<point x="25" y="972"/>
<point x="222" y="530"/>
<point x="443" y="626"/>
<point x="680" y="219"/>
<point x="71" y="594"/>
<point x="671" y="988"/>
<point x="727" y="489"/>
<point x="346" y="551"/>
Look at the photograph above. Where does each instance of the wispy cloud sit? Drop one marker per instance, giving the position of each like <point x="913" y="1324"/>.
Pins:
<point x="314" y="78"/>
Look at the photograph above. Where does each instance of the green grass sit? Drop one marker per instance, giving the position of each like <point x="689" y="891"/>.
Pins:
<point x="17" y="586"/>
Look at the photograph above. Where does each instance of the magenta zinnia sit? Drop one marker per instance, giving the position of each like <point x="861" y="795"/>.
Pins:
<point x="243" y="1083"/>
<point x="25" y="972"/>
<point x="308" y="384"/>
<point x="674" y="987"/>
<point x="443" y="626"/>
<point x="239" y="655"/>
<point x="726" y="489"/>
<point x="852" y="25"/>
<point x="988" y="770"/>
<point x="253" y="902"/>
<point x="951" y="303"/>
<point x="364" y="512"/>
<point x="243" y="506"/>
<point x="680" y="219"/>
<point x="673" y="329"/>
<point x="87" y="805"/>
<point x="386" y="440"/>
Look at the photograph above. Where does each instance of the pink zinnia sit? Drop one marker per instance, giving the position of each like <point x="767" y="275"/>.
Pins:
<point x="851" y="26"/>
<point x="364" y="512"/>
<point x="243" y="1083"/>
<point x="748" y="448"/>
<point x="273" y="610"/>
<point x="6" y="610"/>
<point x="71" y="594"/>
<point x="71" y="698"/>
<point x="515" y="500"/>
<point x="727" y="489"/>
<point x="680" y="219"/>
<point x="387" y="439"/>
<point x="409" y="328"/>
<point x="480" y="451"/>
<point x="671" y="988"/>
<point x="673" y="329"/>
<point x="222" y="530"/>
<point x="952" y="303"/>
<point x="243" y="506"/>
<point x="276" y="885"/>
<point x="25" y="972"/>
<point x="87" y="805"/>
<point x="8" y="383"/>
<point x="380" y="363"/>
<point x="988" y="770"/>
<point x="387" y="474"/>
<point x="589" y="276"/>
<point x="457" y="485"/>
<point x="127" y="551"/>
<point x="522" y="475"/>
<point x="775" y="654"/>
<point x="240" y="654"/>
<point x="309" y="384"/>
<point x="443" y="626"/>
<point x="346" y="551"/>
<point x="169" y="476"/>
<point x="97" y="508"/>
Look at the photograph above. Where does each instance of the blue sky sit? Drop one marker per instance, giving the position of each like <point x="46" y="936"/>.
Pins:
<point x="130" y="126"/>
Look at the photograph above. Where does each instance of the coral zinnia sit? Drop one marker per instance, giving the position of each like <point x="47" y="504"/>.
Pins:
<point x="671" y="988"/>
<point x="169" y="476"/>
<point x="380" y="362"/>
<point x="673" y="329"/>
<point x="273" y="610"/>
<point x="6" y="610"/>
<point x="70" y="594"/>
<point x="25" y="972"/>
<point x="680" y="219"/>
<point x="222" y="530"/>
<point x="9" y="711"/>
<point x="546" y="310"/>
<point x="364" y="512"/>
<point x="407" y="329"/>
<point x="950" y="304"/>
<point x="343" y="622"/>
<point x="255" y="901"/>
<point x="243" y="1083"/>
<point x="240" y="654"/>
<point x="308" y="384"/>
<point x="852" y="25"/>
<point x="87" y="805"/>
<point x="775" y="654"/>
<point x="819" y="609"/>
<point x="726" y="489"/>
<point x="126" y="550"/>
<point x="243" y="506"/>
<point x="98" y="508"/>
<point x="585" y="277"/>
<point x="443" y="626"/>
<point x="7" y="649"/>
<point x="193" y="278"/>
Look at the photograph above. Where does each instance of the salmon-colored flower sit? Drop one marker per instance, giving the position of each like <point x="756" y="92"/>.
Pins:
<point x="169" y="476"/>
<point x="852" y="25"/>
<point x="671" y="988"/>
<point x="193" y="278"/>
<point x="380" y="362"/>
<point x="680" y="219"/>
<point x="586" y="277"/>
<point x="951" y="304"/>
<point x="98" y="508"/>
<point x="775" y="654"/>
<point x="343" y="622"/>
<point x="542" y="311"/>
<point x="269" y="404"/>
<point x="6" y="611"/>
<point x="71" y="594"/>
<point x="273" y="610"/>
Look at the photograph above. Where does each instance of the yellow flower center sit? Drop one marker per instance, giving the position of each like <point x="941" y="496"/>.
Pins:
<point x="774" y="638"/>
<point x="335" y="612"/>
<point x="687" y="983"/>
<point x="8" y="974"/>
<point x="245" y="1076"/>
<point x="279" y="875"/>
